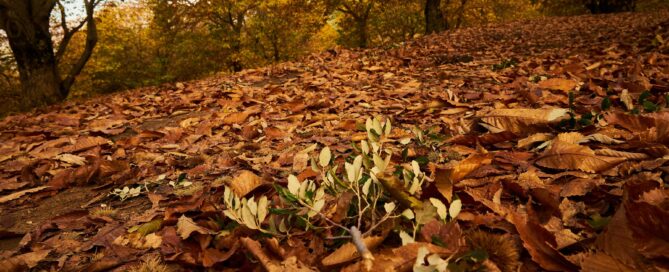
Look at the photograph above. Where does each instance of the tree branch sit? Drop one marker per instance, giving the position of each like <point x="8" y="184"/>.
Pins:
<point x="91" y="41"/>
<point x="67" y="32"/>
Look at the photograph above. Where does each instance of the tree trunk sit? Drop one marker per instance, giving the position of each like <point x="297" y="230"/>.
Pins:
<point x="33" y="52"/>
<point x="610" y="6"/>
<point x="434" y="18"/>
<point x="361" y="29"/>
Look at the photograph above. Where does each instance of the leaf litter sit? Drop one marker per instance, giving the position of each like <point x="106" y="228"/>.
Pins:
<point x="546" y="151"/>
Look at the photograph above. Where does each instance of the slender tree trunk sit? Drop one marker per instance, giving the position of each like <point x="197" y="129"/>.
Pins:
<point x="361" y="29"/>
<point x="609" y="6"/>
<point x="434" y="18"/>
<point x="36" y="62"/>
<point x="461" y="13"/>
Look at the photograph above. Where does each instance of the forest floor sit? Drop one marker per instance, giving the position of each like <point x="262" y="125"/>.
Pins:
<point x="532" y="145"/>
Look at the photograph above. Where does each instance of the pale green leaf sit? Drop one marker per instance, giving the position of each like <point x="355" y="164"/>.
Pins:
<point x="252" y="205"/>
<point x="364" y="146"/>
<point x="293" y="184"/>
<point x="324" y="157"/>
<point x="262" y="208"/>
<point x="366" y="186"/>
<point x="455" y="208"/>
<point x="406" y="238"/>
<point x="441" y="208"/>
<point x="248" y="218"/>
<point x="408" y="214"/>
<point x="389" y="207"/>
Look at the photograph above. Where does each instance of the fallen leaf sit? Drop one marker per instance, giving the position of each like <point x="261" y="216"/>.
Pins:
<point x="186" y="226"/>
<point x="245" y="182"/>
<point x="560" y="84"/>
<point x="18" y="194"/>
<point x="24" y="261"/>
<point x="567" y="156"/>
<point x="348" y="251"/>
<point x="271" y="265"/>
<point x="541" y="245"/>
<point x="523" y="121"/>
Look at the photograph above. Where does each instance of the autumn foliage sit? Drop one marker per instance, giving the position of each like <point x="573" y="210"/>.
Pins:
<point x="525" y="146"/>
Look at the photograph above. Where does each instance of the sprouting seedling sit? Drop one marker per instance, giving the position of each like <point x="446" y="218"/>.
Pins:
<point x="127" y="192"/>
<point x="246" y="212"/>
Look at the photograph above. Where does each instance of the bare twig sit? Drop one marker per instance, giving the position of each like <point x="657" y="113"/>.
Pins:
<point x="367" y="257"/>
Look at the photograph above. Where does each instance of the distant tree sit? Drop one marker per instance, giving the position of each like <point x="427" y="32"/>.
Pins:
<point x="609" y="6"/>
<point x="228" y="19"/>
<point x="434" y="18"/>
<point x="358" y="13"/>
<point x="281" y="30"/>
<point x="572" y="7"/>
<point x="26" y="24"/>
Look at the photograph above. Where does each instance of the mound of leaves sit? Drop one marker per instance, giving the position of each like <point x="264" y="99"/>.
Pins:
<point x="544" y="149"/>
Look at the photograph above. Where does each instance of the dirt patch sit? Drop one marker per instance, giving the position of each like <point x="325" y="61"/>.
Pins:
<point x="25" y="219"/>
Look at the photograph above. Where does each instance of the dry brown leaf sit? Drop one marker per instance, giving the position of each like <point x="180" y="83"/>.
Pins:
<point x="468" y="165"/>
<point x="601" y="262"/>
<point x="449" y="234"/>
<point x="235" y="118"/>
<point x="399" y="259"/>
<point x="245" y="182"/>
<point x="649" y="227"/>
<point x="442" y="179"/>
<point x="567" y="156"/>
<point x="84" y="143"/>
<point x="348" y="251"/>
<point x="186" y="226"/>
<point x="24" y="261"/>
<point x="626" y="98"/>
<point x="618" y="242"/>
<point x="570" y="137"/>
<point x="18" y="194"/>
<point x="300" y="161"/>
<point x="71" y="159"/>
<point x="541" y="245"/>
<point x="523" y="121"/>
<point x="534" y="138"/>
<point x="621" y="154"/>
<point x="271" y="265"/>
<point x="560" y="84"/>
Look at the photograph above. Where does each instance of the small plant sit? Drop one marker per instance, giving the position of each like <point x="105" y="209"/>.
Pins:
<point x="505" y="63"/>
<point x="127" y="192"/>
<point x="181" y="182"/>
<point x="246" y="212"/>
<point x="576" y="122"/>
<point x="374" y="196"/>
